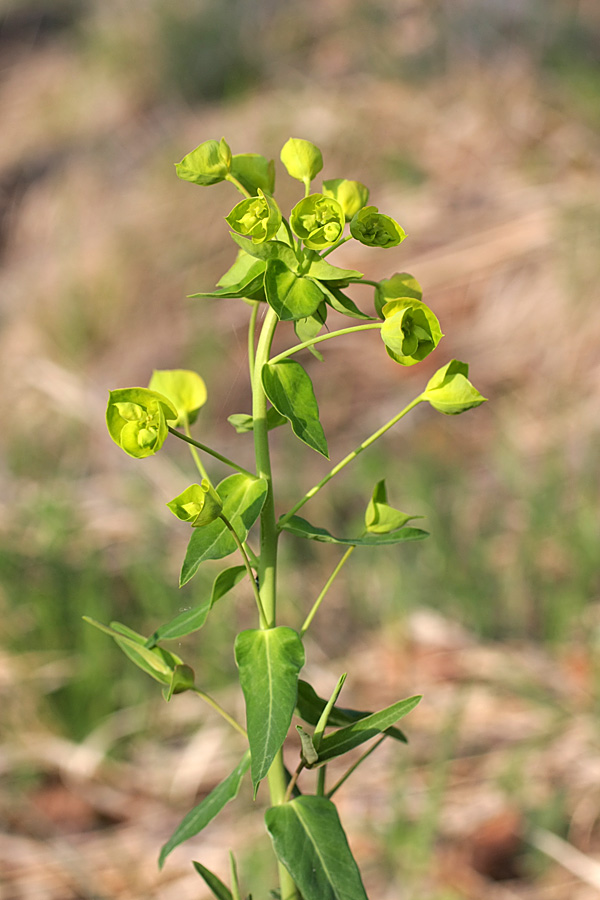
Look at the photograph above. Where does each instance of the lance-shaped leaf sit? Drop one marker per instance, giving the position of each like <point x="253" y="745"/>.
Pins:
<point x="309" y="327"/>
<point x="380" y="517"/>
<point x="192" y="620"/>
<point x="243" y="498"/>
<point x="290" y="390"/>
<point x="185" y="389"/>
<point x="220" y="891"/>
<point x="310" y="842"/>
<point x="269" y="661"/>
<point x="342" y="304"/>
<point x="450" y="391"/>
<point x="199" y="817"/>
<point x="345" y="739"/>
<point x="324" y="271"/>
<point x="244" y="279"/>
<point x="243" y="422"/>
<point x="291" y="296"/>
<point x="395" y="288"/>
<point x="310" y="708"/>
<point x="301" y="528"/>
<point x="268" y="250"/>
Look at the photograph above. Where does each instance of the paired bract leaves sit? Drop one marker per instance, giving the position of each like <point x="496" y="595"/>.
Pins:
<point x="410" y="330"/>
<point x="318" y="221"/>
<point x="380" y="517"/>
<point x="291" y="296"/>
<point x="372" y="228"/>
<point x="137" y="420"/>
<point x="450" y="391"/>
<point x="199" y="504"/>
<point x="301" y="528"/>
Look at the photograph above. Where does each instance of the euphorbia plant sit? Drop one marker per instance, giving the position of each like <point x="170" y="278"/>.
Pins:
<point x="282" y="274"/>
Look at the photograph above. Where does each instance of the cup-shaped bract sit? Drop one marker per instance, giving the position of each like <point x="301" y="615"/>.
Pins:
<point x="400" y="285"/>
<point x="372" y="228"/>
<point x="351" y="195"/>
<point x="318" y="220"/>
<point x="254" y="171"/>
<point x="208" y="164"/>
<point x="410" y="330"/>
<point x="450" y="391"/>
<point x="184" y="388"/>
<point x="137" y="420"/>
<point x="380" y="517"/>
<point x="258" y="218"/>
<point x="302" y="159"/>
<point x="199" y="504"/>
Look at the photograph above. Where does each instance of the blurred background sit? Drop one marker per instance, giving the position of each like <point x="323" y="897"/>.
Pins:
<point x="476" y="124"/>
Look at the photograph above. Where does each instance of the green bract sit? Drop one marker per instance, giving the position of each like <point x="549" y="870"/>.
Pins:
<point x="372" y="228"/>
<point x="302" y="159"/>
<point x="185" y="389"/>
<point x="257" y="217"/>
<point x="398" y="286"/>
<point x="199" y="504"/>
<point x="351" y="195"/>
<point x="137" y="420"/>
<point x="380" y="517"/>
<point x="318" y="220"/>
<point x="208" y="164"/>
<point x="410" y="330"/>
<point x="450" y="391"/>
<point x="253" y="171"/>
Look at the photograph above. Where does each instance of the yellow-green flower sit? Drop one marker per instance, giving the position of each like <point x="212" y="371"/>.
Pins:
<point x="410" y="330"/>
<point x="257" y="217"/>
<point x="199" y="504"/>
<point x="372" y="228"/>
<point x="318" y="220"/>
<point x="137" y="420"/>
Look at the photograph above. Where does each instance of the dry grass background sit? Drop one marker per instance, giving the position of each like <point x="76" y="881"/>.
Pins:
<point x="472" y="131"/>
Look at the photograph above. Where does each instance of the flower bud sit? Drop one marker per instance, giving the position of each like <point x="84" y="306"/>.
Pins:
<point x="449" y="390"/>
<point x="137" y="420"/>
<point x="318" y="221"/>
<point x="207" y="164"/>
<point x="302" y="159"/>
<point x="257" y="217"/>
<point x="410" y="330"/>
<point x="372" y="228"/>
<point x="351" y="195"/>
<point x="199" y="504"/>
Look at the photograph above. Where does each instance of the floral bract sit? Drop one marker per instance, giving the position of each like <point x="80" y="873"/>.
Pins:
<point x="410" y="330"/>
<point x="199" y="504"/>
<point x="372" y="228"/>
<point x="351" y="195"/>
<point x="258" y="218"/>
<point x="318" y="220"/>
<point x="137" y="420"/>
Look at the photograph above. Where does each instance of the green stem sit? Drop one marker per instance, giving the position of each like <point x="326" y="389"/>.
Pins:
<point x="233" y="180"/>
<point x="321" y="781"/>
<point x="293" y="781"/>
<point x="218" y="708"/>
<point x="336" y="245"/>
<point x="268" y="554"/>
<point x="355" y="765"/>
<point x="193" y="451"/>
<point x="211" y="452"/>
<point x="324" y="337"/>
<point x="328" y="584"/>
<point x="240" y="546"/>
<point x="251" y="333"/>
<point x="348" y="459"/>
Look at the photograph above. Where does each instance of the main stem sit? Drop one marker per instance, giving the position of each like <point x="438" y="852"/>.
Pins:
<point x="267" y="569"/>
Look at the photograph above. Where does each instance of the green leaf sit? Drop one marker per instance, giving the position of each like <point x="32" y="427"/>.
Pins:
<point x="192" y="620"/>
<point x="291" y="296"/>
<point x="310" y="708"/>
<point x="199" y="817"/>
<point x="309" y="327"/>
<point x="450" y="391"/>
<point x="182" y="679"/>
<point x="244" y="268"/>
<point x="254" y="172"/>
<point x="324" y="717"/>
<point x="185" y="389"/>
<point x="290" y="390"/>
<point x="199" y="504"/>
<point x="269" y="661"/>
<point x="342" y="304"/>
<point x="243" y="499"/>
<point x="243" y="422"/>
<point x="324" y="271"/>
<point x="345" y="739"/>
<point x="268" y="250"/>
<point x="301" y="528"/>
<point x="380" y="517"/>
<point x="156" y="662"/>
<point x="310" y="842"/>
<point x="215" y="884"/>
<point x="351" y="195"/>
